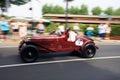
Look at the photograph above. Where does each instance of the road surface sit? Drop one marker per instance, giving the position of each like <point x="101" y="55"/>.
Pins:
<point x="104" y="66"/>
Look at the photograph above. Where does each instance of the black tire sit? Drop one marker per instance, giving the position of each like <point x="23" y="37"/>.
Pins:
<point x="29" y="53"/>
<point x="89" y="51"/>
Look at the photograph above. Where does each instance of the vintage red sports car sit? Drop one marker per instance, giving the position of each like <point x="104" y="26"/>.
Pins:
<point x="31" y="47"/>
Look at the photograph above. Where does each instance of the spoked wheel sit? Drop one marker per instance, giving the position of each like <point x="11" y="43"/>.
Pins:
<point x="89" y="51"/>
<point x="29" y="53"/>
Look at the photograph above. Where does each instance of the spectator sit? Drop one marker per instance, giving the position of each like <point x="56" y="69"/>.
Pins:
<point x="101" y="31"/>
<point x="0" y="30"/>
<point x="108" y="31"/>
<point x="76" y="28"/>
<point x="90" y="31"/>
<point x="4" y="27"/>
<point x="22" y="29"/>
<point x="40" y="27"/>
<point x="15" y="28"/>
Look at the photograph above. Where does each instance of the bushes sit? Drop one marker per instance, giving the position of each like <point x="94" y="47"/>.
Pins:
<point x="52" y="27"/>
<point x="115" y="28"/>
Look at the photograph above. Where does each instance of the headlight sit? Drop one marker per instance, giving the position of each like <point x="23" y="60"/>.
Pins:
<point x="79" y="42"/>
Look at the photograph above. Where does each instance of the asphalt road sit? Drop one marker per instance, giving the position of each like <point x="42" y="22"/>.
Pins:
<point x="104" y="66"/>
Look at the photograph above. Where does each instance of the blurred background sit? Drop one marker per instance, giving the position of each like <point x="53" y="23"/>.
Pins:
<point x="67" y="12"/>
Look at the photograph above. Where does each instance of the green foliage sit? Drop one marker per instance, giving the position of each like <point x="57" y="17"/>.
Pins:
<point x="95" y="26"/>
<point x="83" y="27"/>
<point x="84" y="9"/>
<point x="2" y="3"/>
<point x="47" y="9"/>
<point x="117" y="12"/>
<point x="7" y="17"/>
<point x="2" y="15"/>
<point x="74" y="10"/>
<point x="70" y="25"/>
<point x="58" y="10"/>
<point x="96" y="10"/>
<point x="109" y="11"/>
<point x="115" y="30"/>
<point x="52" y="27"/>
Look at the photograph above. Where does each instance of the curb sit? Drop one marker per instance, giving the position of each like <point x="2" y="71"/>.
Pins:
<point x="107" y="41"/>
<point x="13" y="42"/>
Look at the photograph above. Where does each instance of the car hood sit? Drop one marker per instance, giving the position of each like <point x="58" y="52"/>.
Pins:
<point x="47" y="37"/>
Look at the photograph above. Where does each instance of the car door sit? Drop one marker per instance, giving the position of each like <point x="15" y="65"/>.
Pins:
<point x="64" y="45"/>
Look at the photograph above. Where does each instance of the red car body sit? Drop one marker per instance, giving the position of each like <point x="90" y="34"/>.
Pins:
<point x="31" y="47"/>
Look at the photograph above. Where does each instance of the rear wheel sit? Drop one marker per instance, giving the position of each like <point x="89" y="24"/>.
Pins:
<point x="89" y="51"/>
<point x="29" y="53"/>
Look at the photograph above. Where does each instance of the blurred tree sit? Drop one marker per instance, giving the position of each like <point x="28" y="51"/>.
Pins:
<point x="47" y="9"/>
<point x="15" y="2"/>
<point x="73" y="10"/>
<point x="96" y="10"/>
<point x="58" y="10"/>
<point x="117" y="12"/>
<point x="4" y="4"/>
<point x="52" y="27"/>
<point x="84" y="9"/>
<point x="19" y="2"/>
<point x="109" y="11"/>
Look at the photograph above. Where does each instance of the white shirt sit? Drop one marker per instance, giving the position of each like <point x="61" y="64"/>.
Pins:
<point x="14" y="25"/>
<point x="101" y="29"/>
<point x="75" y="27"/>
<point x="72" y="36"/>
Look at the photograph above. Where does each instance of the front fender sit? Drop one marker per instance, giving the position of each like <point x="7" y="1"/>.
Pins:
<point x="91" y="43"/>
<point x="24" y="43"/>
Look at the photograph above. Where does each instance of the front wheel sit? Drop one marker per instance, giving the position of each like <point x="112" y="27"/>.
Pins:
<point x="89" y="51"/>
<point x="29" y="53"/>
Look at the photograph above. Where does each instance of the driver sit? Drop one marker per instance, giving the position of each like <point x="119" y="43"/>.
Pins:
<point x="61" y="29"/>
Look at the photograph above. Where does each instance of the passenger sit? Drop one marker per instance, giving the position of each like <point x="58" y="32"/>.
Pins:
<point x="72" y="36"/>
